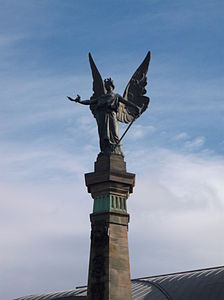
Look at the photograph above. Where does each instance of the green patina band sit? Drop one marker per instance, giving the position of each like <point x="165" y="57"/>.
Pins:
<point x="109" y="202"/>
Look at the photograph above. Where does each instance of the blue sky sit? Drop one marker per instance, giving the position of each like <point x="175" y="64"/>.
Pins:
<point x="47" y="143"/>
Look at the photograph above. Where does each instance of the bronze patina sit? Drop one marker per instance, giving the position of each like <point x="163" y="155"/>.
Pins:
<point x="108" y="107"/>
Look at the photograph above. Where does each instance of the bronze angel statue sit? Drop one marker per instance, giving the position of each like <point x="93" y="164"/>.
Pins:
<point x="108" y="107"/>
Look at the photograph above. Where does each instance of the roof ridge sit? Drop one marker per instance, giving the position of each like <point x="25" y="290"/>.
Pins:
<point x="167" y="274"/>
<point x="183" y="272"/>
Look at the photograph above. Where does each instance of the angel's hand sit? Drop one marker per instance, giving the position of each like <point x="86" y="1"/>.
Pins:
<point x="77" y="99"/>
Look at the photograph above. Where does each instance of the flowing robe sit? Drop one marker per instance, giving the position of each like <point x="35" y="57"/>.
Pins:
<point x="106" y="107"/>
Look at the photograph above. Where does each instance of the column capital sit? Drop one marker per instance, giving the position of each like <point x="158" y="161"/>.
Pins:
<point x="110" y="176"/>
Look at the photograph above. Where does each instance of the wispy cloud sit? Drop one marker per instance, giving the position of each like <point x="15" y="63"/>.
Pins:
<point x="36" y="220"/>
<point x="179" y="199"/>
<point x="195" y="144"/>
<point x="181" y="136"/>
<point x="140" y="131"/>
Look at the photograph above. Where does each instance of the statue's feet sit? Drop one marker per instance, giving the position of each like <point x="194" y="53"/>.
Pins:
<point x="109" y="149"/>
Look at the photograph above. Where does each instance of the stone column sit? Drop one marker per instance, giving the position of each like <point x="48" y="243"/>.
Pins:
<point x="109" y="269"/>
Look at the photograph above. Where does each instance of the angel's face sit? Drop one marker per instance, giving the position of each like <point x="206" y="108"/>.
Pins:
<point x="109" y="88"/>
<point x="109" y="85"/>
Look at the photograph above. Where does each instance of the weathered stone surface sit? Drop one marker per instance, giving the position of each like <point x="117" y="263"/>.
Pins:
<point x="108" y="177"/>
<point x="110" y="162"/>
<point x="109" y="270"/>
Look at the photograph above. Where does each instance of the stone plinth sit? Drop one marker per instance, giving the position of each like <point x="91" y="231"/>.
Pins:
<point x="109" y="270"/>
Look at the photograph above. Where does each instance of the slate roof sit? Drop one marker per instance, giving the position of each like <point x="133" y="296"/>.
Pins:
<point x="204" y="284"/>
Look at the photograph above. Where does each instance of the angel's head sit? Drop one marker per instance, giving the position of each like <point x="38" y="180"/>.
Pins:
<point x="109" y="84"/>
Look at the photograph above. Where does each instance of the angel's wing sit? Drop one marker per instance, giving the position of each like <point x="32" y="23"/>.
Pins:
<point x="134" y="92"/>
<point x="98" y="85"/>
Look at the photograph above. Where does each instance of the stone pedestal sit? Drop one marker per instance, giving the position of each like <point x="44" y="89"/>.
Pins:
<point x="109" y="269"/>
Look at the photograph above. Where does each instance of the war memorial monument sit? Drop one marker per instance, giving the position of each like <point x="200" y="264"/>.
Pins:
<point x="110" y="185"/>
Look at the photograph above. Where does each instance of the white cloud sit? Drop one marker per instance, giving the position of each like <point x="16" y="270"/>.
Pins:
<point x="44" y="237"/>
<point x="181" y="136"/>
<point x="41" y="163"/>
<point x="177" y="214"/>
<point x="139" y="131"/>
<point x="195" y="144"/>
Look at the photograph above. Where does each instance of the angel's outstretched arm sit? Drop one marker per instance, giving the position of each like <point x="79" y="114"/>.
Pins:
<point x="84" y="102"/>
